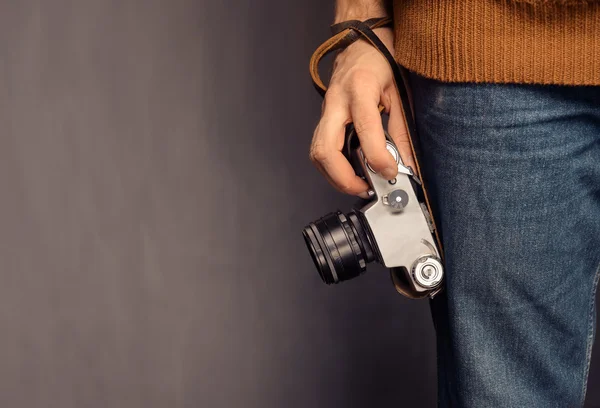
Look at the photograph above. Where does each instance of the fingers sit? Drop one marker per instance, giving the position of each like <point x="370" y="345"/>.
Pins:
<point x="326" y="147"/>
<point x="362" y="194"/>
<point x="354" y="96"/>
<point x="398" y="132"/>
<point x="369" y="128"/>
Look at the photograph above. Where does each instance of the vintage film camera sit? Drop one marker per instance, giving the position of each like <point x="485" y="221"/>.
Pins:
<point x="392" y="227"/>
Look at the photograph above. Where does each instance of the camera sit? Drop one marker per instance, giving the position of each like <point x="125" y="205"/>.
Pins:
<point x="392" y="227"/>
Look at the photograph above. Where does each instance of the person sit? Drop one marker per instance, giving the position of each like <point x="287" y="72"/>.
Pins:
<point x="507" y="107"/>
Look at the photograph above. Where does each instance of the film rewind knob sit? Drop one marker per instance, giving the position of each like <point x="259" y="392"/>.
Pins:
<point x="428" y="271"/>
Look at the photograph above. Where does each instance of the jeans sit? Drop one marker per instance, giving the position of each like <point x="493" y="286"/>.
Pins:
<point x="514" y="175"/>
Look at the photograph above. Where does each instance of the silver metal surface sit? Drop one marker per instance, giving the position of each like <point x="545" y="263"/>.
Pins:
<point x="402" y="169"/>
<point x="428" y="272"/>
<point x="402" y="237"/>
<point x="397" y="199"/>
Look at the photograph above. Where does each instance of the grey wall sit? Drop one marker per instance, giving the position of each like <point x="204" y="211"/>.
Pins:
<point x="154" y="178"/>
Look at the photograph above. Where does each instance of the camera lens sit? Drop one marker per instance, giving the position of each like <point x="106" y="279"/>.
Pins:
<point x="339" y="246"/>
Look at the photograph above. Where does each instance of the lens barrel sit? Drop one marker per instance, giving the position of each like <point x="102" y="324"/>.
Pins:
<point x="339" y="246"/>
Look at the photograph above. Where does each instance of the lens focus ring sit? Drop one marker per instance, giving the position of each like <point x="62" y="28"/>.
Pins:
<point x="337" y="246"/>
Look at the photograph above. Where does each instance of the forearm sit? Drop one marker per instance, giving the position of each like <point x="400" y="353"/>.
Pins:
<point x="361" y="9"/>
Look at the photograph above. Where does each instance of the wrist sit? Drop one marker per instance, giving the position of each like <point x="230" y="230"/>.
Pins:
<point x="360" y="10"/>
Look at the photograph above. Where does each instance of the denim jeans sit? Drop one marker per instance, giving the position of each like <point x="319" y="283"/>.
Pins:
<point x="514" y="174"/>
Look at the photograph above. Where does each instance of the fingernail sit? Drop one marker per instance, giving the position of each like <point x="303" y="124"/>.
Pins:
<point x="364" y="195"/>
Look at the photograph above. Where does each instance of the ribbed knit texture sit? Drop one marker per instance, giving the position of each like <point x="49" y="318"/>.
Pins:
<point x="499" y="41"/>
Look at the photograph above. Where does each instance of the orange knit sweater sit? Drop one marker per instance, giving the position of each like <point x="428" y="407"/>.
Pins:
<point x="536" y="41"/>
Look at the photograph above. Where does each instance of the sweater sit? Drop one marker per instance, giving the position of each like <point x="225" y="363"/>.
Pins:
<point x="500" y="41"/>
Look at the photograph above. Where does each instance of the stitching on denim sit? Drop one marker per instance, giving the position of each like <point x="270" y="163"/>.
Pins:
<point x="590" y="337"/>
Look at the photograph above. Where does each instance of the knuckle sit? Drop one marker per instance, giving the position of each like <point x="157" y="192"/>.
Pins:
<point x="402" y="136"/>
<point x="333" y="93"/>
<point x="401" y="140"/>
<point x="317" y="153"/>
<point x="363" y="82"/>
<point x="364" y="125"/>
<point x="345" y="187"/>
<point x="334" y="103"/>
<point x="361" y="76"/>
<point x="331" y="97"/>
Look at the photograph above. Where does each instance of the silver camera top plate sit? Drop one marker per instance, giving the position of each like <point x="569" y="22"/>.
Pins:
<point x="399" y="224"/>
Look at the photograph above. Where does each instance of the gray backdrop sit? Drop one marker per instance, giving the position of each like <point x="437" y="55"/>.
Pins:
<point x="155" y="180"/>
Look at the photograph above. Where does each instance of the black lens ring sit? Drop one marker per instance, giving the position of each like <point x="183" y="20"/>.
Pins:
<point x="322" y="247"/>
<point x="339" y="246"/>
<point x="352" y="239"/>
<point x="333" y="248"/>
<point x="364" y="239"/>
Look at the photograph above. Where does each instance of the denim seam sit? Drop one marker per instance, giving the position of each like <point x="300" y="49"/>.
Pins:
<point x="590" y="336"/>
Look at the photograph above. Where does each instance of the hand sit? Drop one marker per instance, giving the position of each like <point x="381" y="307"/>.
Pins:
<point x="362" y="80"/>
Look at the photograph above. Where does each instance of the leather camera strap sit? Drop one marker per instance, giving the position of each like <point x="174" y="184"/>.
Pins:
<point x="346" y="33"/>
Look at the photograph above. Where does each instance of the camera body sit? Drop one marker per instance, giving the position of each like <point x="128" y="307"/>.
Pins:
<point x="393" y="227"/>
